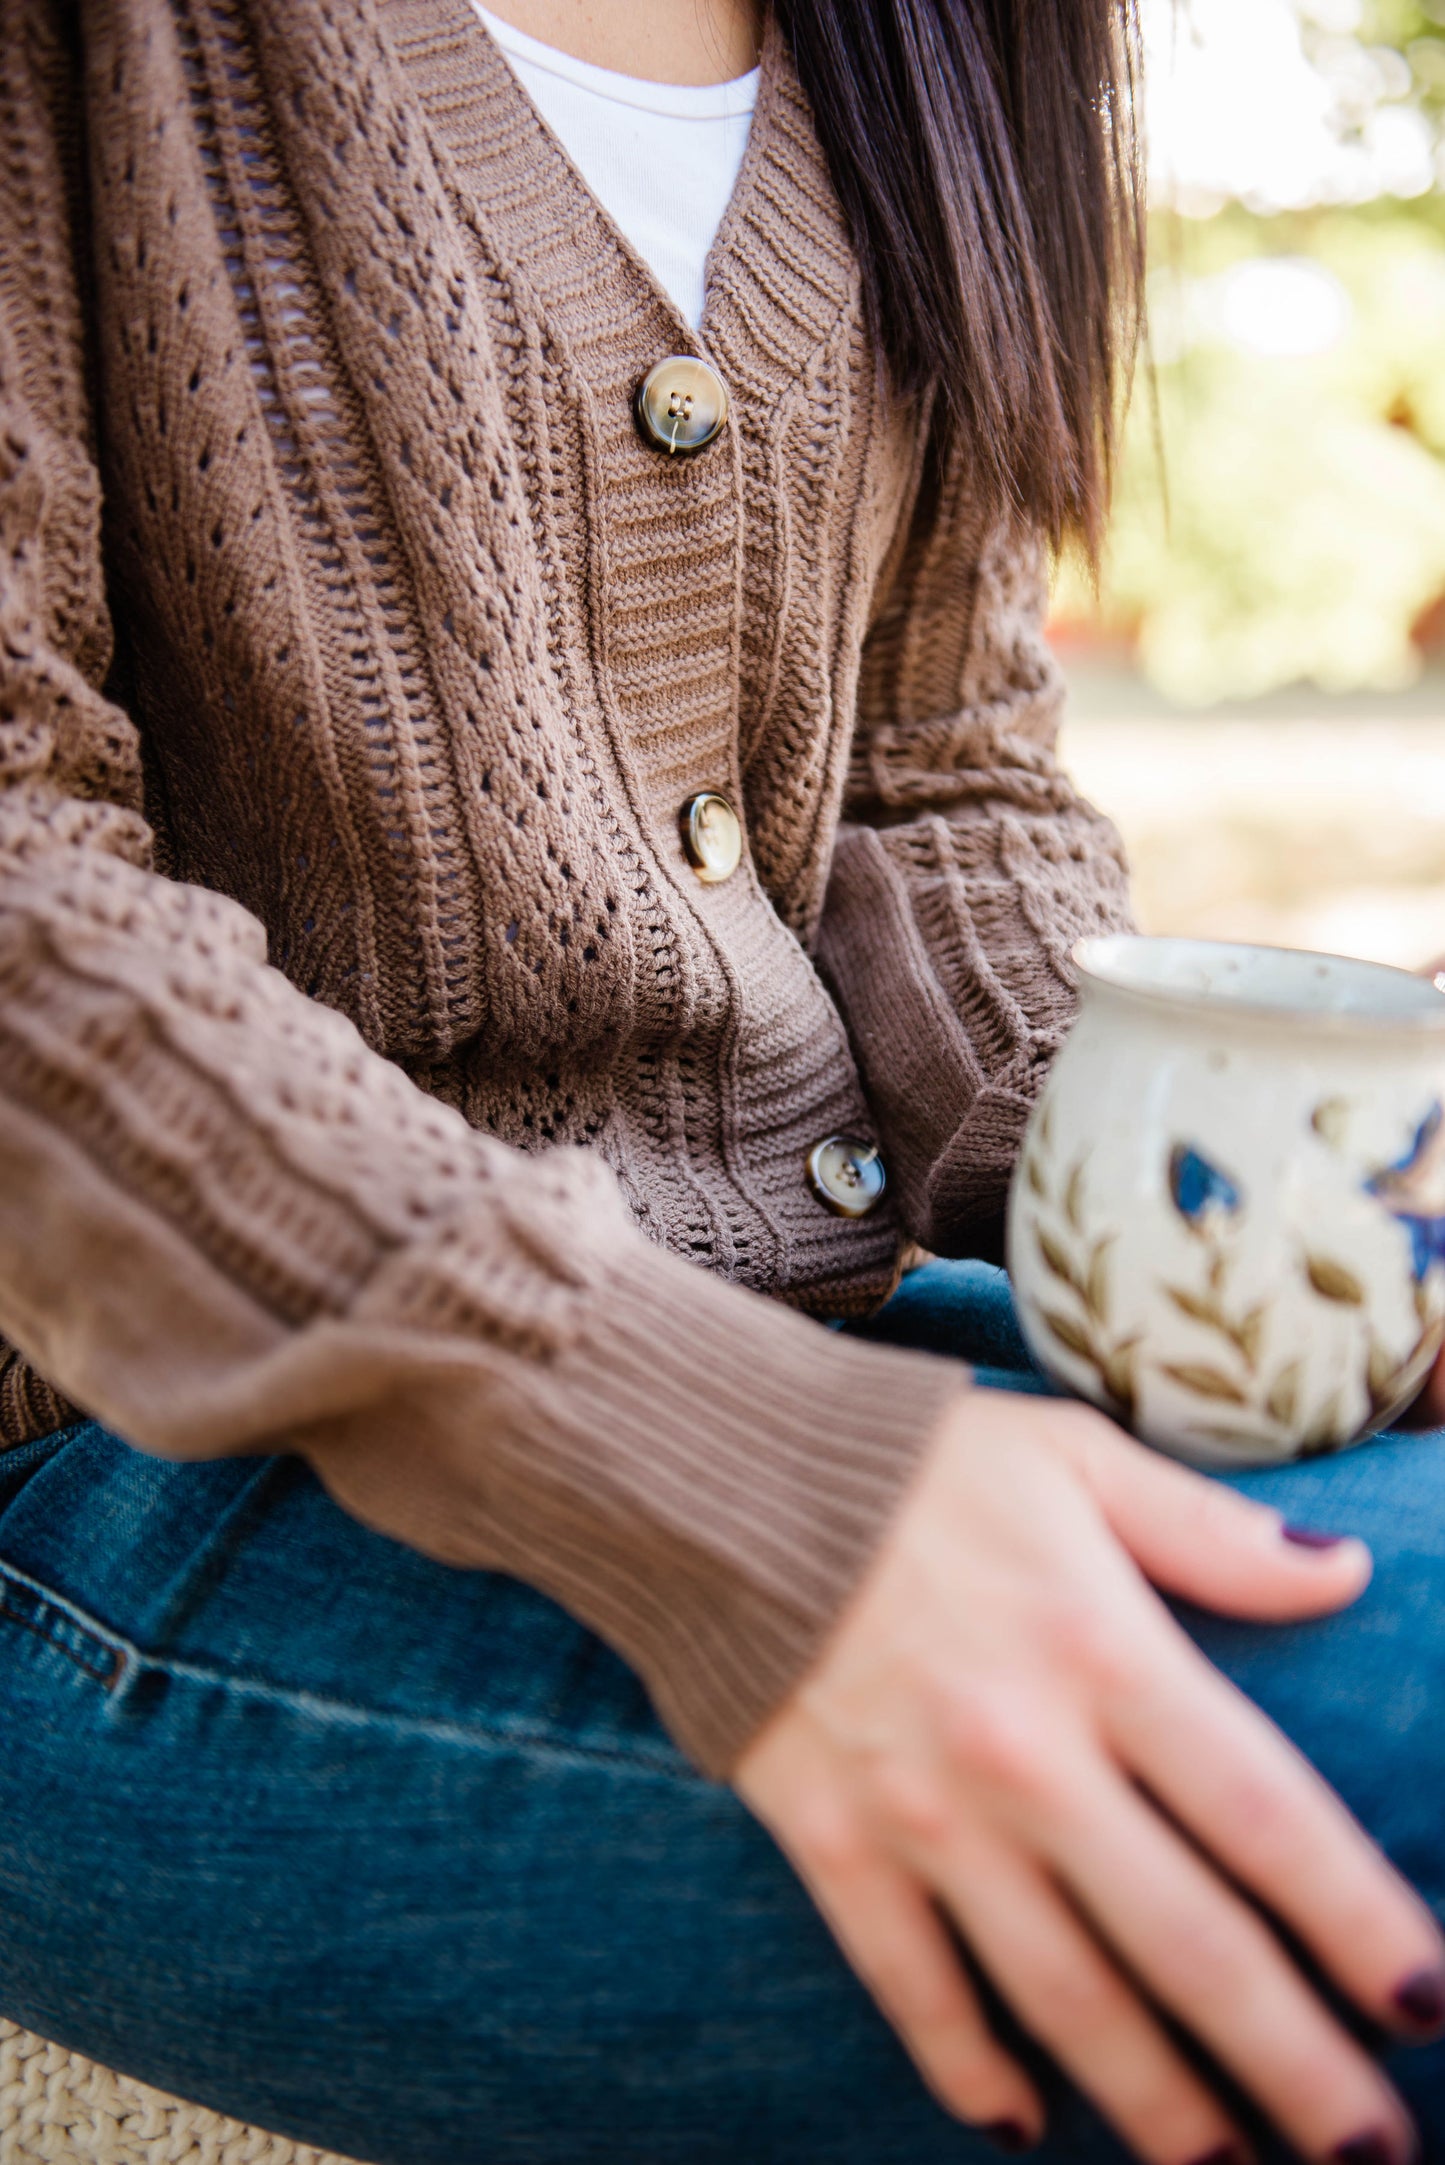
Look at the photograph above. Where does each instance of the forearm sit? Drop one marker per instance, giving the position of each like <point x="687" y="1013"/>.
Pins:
<point x="226" y="1226"/>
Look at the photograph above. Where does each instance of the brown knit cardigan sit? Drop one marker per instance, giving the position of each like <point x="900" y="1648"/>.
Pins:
<point x="473" y="1196"/>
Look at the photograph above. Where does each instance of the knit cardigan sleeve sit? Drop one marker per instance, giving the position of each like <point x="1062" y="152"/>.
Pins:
<point x="966" y="867"/>
<point x="228" y="1226"/>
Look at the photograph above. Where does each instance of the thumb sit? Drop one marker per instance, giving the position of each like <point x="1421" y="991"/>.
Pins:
<point x="1197" y="1538"/>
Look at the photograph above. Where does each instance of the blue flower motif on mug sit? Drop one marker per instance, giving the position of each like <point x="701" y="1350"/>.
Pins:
<point x="1199" y="1191"/>
<point x="1413" y="1191"/>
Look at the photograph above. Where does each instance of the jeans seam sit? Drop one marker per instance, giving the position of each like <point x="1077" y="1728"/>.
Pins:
<point x="128" y="1662"/>
<point x="343" y="1712"/>
<point x="60" y="1626"/>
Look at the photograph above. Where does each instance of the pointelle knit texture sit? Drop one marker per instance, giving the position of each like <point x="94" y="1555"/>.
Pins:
<point x="346" y="618"/>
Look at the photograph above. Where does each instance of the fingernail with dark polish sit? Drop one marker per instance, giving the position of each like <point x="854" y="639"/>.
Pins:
<point x="1421" y="2000"/>
<point x="1306" y="1537"/>
<point x="1010" y="2137"/>
<point x="1372" y="2150"/>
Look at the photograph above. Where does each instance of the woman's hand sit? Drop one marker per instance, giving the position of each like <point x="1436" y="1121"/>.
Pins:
<point x="1008" y="1727"/>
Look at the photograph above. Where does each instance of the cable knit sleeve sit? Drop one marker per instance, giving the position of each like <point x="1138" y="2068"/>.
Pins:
<point x="966" y="868"/>
<point x="228" y="1226"/>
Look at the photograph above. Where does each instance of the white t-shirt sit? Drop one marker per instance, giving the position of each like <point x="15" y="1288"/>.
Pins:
<point x="661" y="158"/>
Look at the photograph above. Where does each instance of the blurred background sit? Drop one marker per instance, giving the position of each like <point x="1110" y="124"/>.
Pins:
<point x="1259" y="687"/>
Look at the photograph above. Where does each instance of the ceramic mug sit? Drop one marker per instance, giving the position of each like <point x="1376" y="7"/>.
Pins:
<point x="1227" y="1224"/>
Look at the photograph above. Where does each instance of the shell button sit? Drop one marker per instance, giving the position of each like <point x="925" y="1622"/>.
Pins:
<point x="681" y="405"/>
<point x="847" y="1175"/>
<point x="712" y="836"/>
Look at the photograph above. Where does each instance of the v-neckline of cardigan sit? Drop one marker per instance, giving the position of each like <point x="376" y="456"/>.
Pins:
<point x="691" y="334"/>
<point x="464" y="82"/>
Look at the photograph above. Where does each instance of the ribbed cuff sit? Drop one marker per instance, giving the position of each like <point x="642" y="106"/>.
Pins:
<point x="746" y="1463"/>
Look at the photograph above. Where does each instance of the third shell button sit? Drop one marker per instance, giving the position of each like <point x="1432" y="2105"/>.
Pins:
<point x="846" y="1175"/>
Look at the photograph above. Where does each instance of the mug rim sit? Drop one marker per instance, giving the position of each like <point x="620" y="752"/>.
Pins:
<point x="1092" y="958"/>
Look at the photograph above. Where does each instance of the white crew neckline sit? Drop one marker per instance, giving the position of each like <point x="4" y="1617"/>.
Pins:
<point x="678" y="101"/>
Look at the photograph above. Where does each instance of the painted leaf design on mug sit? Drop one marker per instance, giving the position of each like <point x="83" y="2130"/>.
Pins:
<point x="1069" y="1333"/>
<point x="1096" y="1285"/>
<point x="1249" y="1331"/>
<point x="1079" y="1267"/>
<point x="1057" y="1260"/>
<point x="1204" y="1381"/>
<point x="1242" y="1333"/>
<point x="1197" y="1306"/>
<point x="1120" y="1377"/>
<point x="1333" y="1282"/>
<point x="1283" y="1400"/>
<point x="1234" y="1353"/>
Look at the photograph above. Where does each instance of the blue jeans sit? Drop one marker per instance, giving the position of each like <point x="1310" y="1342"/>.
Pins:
<point x="396" y="1859"/>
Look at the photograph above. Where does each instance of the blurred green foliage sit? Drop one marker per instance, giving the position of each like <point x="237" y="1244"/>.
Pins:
<point x="1294" y="527"/>
<point x="1415" y="28"/>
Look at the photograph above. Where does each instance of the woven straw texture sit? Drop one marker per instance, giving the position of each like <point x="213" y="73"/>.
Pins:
<point x="58" y="2108"/>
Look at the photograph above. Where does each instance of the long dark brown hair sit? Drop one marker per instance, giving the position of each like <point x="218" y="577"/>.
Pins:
<point x="986" y="156"/>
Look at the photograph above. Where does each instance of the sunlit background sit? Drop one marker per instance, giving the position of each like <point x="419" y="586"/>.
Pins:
<point x="1259" y="693"/>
